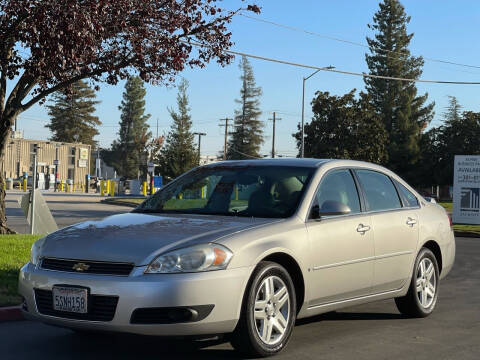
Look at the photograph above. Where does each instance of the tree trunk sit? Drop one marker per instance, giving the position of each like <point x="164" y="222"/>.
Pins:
<point x="4" y="229"/>
<point x="5" y="127"/>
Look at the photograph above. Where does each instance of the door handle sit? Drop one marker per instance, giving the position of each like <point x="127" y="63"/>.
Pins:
<point x="362" y="228"/>
<point x="411" y="222"/>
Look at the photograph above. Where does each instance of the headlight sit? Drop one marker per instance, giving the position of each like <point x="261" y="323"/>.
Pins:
<point x="205" y="257"/>
<point x="36" y="251"/>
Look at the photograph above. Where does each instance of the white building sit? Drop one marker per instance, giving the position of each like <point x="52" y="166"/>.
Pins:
<point x="208" y="159"/>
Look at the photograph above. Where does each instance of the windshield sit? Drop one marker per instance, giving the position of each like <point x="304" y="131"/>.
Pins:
<point x="253" y="191"/>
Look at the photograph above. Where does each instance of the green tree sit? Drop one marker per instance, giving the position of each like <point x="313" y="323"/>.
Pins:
<point x="344" y="127"/>
<point x="71" y="115"/>
<point x="130" y="150"/>
<point x="459" y="135"/>
<point x="247" y="136"/>
<point x="179" y="155"/>
<point x="404" y="113"/>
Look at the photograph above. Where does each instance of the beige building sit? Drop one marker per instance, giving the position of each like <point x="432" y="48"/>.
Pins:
<point x="71" y="160"/>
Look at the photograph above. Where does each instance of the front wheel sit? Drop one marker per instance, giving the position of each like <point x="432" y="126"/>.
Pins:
<point x="422" y="294"/>
<point x="268" y="313"/>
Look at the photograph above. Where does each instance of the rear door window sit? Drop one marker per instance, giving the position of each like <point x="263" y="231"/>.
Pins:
<point x="379" y="191"/>
<point x="409" y="199"/>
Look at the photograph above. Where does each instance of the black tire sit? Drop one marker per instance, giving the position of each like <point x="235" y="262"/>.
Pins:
<point x="410" y="304"/>
<point x="245" y="338"/>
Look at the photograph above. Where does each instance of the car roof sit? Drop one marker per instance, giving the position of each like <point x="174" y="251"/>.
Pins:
<point x="300" y="162"/>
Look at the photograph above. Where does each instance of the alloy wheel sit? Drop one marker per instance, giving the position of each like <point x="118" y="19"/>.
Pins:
<point x="426" y="283"/>
<point x="272" y="310"/>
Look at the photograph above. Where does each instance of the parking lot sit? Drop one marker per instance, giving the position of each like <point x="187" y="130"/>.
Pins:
<point x="372" y="331"/>
<point x="67" y="209"/>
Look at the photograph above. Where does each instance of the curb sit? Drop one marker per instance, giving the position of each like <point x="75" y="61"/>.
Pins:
<point x="129" y="204"/>
<point x="466" y="234"/>
<point x="11" y="313"/>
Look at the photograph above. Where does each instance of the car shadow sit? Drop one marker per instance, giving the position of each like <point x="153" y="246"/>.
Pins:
<point x="125" y="346"/>
<point x="334" y="316"/>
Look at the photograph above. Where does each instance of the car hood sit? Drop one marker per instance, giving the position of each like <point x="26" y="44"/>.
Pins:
<point x="138" y="238"/>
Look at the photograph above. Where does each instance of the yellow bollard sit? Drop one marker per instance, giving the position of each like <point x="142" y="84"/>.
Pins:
<point x="180" y="196"/>
<point x="68" y="188"/>
<point x="144" y="188"/>
<point x="24" y="184"/>
<point x="152" y="190"/>
<point x="107" y="190"/>
<point x="112" y="188"/>
<point x="202" y="196"/>
<point x="73" y="187"/>
<point x="62" y="186"/>
<point x="102" y="187"/>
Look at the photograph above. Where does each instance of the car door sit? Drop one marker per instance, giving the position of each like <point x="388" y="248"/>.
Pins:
<point x="395" y="230"/>
<point x="342" y="249"/>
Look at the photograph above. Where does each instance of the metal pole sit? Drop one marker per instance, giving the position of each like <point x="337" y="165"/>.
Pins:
<point x="302" y="149"/>
<point x="199" y="143"/>
<point x="34" y="185"/>
<point x="225" y="146"/>
<point x="55" y="186"/>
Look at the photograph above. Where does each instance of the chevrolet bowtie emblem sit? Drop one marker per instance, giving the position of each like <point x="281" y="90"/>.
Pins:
<point x="80" y="267"/>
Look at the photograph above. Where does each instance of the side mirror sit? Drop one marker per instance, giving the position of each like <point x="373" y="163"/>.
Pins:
<point x="430" y="199"/>
<point x="330" y="208"/>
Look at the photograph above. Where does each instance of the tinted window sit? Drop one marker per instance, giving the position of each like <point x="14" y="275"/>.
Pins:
<point x="250" y="191"/>
<point x="339" y="186"/>
<point x="408" y="197"/>
<point x="379" y="190"/>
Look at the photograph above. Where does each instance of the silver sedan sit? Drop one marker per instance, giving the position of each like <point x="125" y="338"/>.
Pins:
<point x="245" y="248"/>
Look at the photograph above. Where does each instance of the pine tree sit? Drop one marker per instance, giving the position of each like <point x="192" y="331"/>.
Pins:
<point x="129" y="152"/>
<point x="71" y="115"/>
<point x="403" y="112"/>
<point x="179" y="155"/>
<point x="248" y="133"/>
<point x="452" y="112"/>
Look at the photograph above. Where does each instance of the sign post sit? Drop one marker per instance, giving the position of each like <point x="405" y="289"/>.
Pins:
<point x="466" y="189"/>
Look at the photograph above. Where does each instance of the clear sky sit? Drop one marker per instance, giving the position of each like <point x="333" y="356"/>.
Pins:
<point x="446" y="30"/>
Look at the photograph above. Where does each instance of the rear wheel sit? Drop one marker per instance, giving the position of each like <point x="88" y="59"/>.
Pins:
<point x="268" y="313"/>
<point x="422" y="294"/>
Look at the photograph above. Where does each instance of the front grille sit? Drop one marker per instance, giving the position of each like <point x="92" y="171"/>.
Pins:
<point x="100" y="307"/>
<point x="89" y="267"/>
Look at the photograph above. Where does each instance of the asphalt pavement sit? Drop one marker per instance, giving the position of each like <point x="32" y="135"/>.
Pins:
<point x="67" y="209"/>
<point x="372" y="331"/>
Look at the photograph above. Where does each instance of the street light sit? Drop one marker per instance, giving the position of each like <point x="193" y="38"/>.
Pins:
<point x="302" y="150"/>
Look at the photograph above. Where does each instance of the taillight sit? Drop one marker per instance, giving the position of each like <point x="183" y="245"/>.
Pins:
<point x="450" y="219"/>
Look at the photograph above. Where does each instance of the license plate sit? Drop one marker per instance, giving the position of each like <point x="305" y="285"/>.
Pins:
<point x="70" y="299"/>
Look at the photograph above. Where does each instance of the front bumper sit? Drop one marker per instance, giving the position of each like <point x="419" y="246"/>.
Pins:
<point x="224" y="289"/>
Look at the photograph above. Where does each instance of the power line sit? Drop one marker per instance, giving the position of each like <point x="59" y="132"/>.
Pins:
<point x="241" y="153"/>
<point x="284" y="62"/>
<point x="292" y="28"/>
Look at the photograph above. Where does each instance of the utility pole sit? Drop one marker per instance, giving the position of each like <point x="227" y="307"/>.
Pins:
<point x="199" y="143"/>
<point x="225" y="146"/>
<point x="275" y="119"/>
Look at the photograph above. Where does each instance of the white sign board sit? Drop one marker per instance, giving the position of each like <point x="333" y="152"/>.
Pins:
<point x="466" y="189"/>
